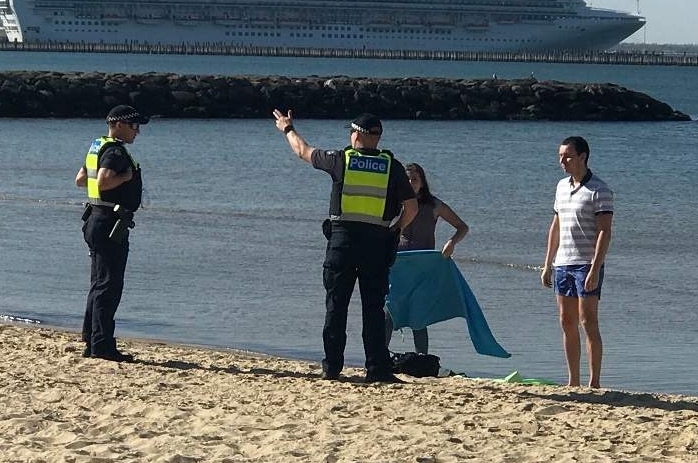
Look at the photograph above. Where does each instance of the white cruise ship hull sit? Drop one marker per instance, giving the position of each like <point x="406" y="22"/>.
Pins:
<point x="455" y="25"/>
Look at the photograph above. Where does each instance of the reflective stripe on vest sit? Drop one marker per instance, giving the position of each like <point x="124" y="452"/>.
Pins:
<point x="92" y="167"/>
<point x="365" y="187"/>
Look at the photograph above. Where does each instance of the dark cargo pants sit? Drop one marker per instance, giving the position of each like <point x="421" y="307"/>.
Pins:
<point x="356" y="252"/>
<point x="108" y="265"/>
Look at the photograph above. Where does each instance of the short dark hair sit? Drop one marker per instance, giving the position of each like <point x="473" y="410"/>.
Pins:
<point x="580" y="146"/>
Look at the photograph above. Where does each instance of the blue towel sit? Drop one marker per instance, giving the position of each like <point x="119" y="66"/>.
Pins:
<point x="426" y="288"/>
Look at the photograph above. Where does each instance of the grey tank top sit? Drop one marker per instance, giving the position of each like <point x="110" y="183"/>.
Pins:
<point x="420" y="233"/>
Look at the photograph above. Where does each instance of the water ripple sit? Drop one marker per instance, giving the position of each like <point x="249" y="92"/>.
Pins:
<point x="15" y="319"/>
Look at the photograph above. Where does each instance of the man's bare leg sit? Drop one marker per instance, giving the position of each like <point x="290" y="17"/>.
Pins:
<point x="569" y="322"/>
<point x="589" y="319"/>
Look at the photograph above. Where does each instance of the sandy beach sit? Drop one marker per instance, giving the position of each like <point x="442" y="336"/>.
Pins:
<point x="181" y="404"/>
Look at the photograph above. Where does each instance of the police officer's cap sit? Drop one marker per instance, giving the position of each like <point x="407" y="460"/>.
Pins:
<point x="125" y="113"/>
<point x="367" y="124"/>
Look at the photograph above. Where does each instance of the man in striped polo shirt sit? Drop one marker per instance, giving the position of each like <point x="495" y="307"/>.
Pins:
<point x="578" y="239"/>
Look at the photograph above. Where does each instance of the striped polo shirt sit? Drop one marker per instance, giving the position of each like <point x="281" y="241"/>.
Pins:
<point x="577" y="209"/>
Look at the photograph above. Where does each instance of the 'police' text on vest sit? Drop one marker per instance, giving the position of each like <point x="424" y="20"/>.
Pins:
<point x="364" y="164"/>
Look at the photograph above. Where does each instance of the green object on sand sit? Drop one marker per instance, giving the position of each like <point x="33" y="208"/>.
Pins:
<point x="515" y="378"/>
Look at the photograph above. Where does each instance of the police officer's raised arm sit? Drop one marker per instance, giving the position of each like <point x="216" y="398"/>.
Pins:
<point x="284" y="122"/>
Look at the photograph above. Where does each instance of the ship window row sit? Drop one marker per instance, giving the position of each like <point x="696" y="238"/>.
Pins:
<point x="101" y="31"/>
<point x="299" y="28"/>
<point x="466" y="39"/>
<point x="554" y="18"/>
<point x="253" y="34"/>
<point x="308" y="35"/>
<point x="377" y="30"/>
<point x="85" y="23"/>
<point x="341" y="36"/>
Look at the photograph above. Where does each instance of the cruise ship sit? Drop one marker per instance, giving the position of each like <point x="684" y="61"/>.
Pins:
<point x="422" y="25"/>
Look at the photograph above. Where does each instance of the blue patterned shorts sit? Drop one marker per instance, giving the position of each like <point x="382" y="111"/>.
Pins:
<point x="569" y="281"/>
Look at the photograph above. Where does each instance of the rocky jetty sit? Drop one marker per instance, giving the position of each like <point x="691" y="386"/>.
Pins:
<point x="92" y="94"/>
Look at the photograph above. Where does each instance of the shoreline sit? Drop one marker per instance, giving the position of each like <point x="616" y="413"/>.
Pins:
<point x="312" y="357"/>
<point x="24" y="323"/>
<point x="182" y="403"/>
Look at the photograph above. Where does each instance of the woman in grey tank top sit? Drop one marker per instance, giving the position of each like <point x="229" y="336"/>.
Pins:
<point x="420" y="234"/>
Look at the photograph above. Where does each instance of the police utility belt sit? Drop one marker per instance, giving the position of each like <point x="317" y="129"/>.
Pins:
<point x="335" y="221"/>
<point x="124" y="220"/>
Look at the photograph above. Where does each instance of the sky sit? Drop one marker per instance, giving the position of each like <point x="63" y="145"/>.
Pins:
<point x="668" y="21"/>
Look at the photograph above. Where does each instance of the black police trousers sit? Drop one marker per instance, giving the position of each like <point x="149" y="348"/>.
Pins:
<point x="364" y="252"/>
<point x="106" y="282"/>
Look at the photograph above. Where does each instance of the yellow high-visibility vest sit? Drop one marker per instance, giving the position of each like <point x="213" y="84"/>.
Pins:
<point x="365" y="187"/>
<point x="92" y="166"/>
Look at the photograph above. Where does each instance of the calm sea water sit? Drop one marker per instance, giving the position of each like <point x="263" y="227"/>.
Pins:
<point x="228" y="249"/>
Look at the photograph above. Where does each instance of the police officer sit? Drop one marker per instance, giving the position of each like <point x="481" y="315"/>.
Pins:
<point x="114" y="187"/>
<point x="369" y="190"/>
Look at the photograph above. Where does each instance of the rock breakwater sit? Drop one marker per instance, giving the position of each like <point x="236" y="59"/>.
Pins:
<point x="92" y="94"/>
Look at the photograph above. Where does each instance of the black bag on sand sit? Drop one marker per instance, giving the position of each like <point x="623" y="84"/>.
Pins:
<point x="414" y="364"/>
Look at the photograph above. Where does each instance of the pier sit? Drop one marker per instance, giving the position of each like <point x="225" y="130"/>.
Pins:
<point x="568" y="57"/>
